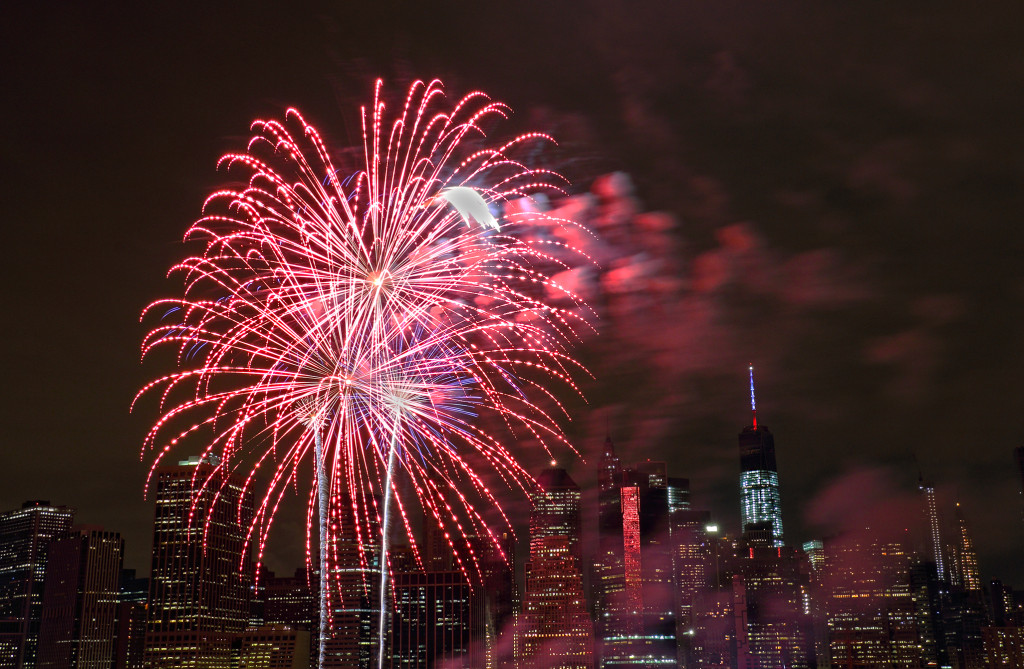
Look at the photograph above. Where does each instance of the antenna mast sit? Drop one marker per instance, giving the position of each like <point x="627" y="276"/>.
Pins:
<point x="753" y="404"/>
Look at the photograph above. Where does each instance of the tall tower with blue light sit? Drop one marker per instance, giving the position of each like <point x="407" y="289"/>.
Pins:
<point x="759" y="476"/>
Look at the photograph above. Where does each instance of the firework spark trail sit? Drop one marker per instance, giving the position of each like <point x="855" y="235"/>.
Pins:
<point x="370" y="322"/>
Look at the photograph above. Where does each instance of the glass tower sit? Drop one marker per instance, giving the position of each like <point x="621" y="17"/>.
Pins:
<point x="759" y="477"/>
<point x="25" y="536"/>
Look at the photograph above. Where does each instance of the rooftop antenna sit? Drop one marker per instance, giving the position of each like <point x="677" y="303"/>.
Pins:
<point x="753" y="404"/>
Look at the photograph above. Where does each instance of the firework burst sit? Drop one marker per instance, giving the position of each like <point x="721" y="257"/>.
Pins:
<point x="353" y="324"/>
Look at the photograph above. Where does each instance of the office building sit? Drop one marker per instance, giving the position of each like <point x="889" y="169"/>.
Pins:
<point x="930" y="508"/>
<point x="609" y="566"/>
<point x="759" y="476"/>
<point x="556" y="626"/>
<point x="201" y="576"/>
<point x="79" y="613"/>
<point x="964" y="567"/>
<point x="25" y="536"/>
<point x="433" y="621"/>
<point x="130" y="643"/>
<point x="776" y="584"/>
<point x="355" y="581"/>
<point x="872" y="615"/>
<point x="273" y="647"/>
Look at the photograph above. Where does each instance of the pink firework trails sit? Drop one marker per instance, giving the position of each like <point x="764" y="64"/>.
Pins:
<point x="368" y="313"/>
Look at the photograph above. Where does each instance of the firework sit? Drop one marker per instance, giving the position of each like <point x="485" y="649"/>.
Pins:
<point x="353" y="323"/>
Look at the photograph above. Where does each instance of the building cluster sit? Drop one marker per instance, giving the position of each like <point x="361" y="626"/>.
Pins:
<point x="660" y="586"/>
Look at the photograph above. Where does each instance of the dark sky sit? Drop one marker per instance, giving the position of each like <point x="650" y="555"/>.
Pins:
<point x="845" y="181"/>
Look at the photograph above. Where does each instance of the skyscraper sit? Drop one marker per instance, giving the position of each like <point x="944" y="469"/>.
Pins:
<point x="759" y="476"/>
<point x="609" y="574"/>
<point x="79" y="614"/>
<point x="131" y="621"/>
<point x="355" y="566"/>
<point x="25" y="536"/>
<point x="931" y="517"/>
<point x="292" y="601"/>
<point x="964" y="570"/>
<point x="872" y="615"/>
<point x="776" y="587"/>
<point x="637" y="610"/>
<point x="201" y="577"/>
<point x="433" y="620"/>
<point x="556" y="625"/>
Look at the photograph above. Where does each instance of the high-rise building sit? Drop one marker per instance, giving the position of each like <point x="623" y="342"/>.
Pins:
<point x="273" y="647"/>
<point x="927" y="592"/>
<point x="355" y="567"/>
<point x="556" y="626"/>
<point x="25" y="536"/>
<point x="637" y="614"/>
<point x="79" y="614"/>
<point x="872" y="615"/>
<point x="776" y="587"/>
<point x="496" y="604"/>
<point x="691" y="557"/>
<point x="131" y="621"/>
<point x="930" y="507"/>
<point x="433" y="620"/>
<point x="964" y="570"/>
<point x="815" y="552"/>
<point x="609" y="567"/>
<point x="963" y="619"/>
<point x="759" y="476"/>
<point x="201" y="575"/>
<point x="1004" y="647"/>
<point x="292" y="601"/>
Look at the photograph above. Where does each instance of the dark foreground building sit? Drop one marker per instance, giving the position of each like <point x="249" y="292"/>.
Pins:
<point x="79" y="615"/>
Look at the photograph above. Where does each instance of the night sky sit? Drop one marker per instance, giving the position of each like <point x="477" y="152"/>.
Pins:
<point x="846" y="181"/>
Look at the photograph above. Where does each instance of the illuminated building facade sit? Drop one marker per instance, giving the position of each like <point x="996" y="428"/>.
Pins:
<point x="691" y="557"/>
<point x="353" y="640"/>
<point x="637" y="611"/>
<point x="291" y="601"/>
<point x="964" y="570"/>
<point x="556" y="626"/>
<point x="433" y="620"/>
<point x="132" y="598"/>
<point x="776" y="593"/>
<point x="872" y="616"/>
<point x="931" y="517"/>
<point x="496" y="604"/>
<point x="274" y="647"/>
<point x="759" y="476"/>
<point x="609" y="567"/>
<point x="201" y="578"/>
<point x="79" y="611"/>
<point x="815" y="552"/>
<point x="1004" y="647"/>
<point x="25" y="535"/>
<point x="928" y="593"/>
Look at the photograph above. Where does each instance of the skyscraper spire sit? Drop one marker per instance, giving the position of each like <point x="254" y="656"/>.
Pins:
<point x="753" y="404"/>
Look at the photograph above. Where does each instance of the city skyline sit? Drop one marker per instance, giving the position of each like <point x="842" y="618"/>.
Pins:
<point x="843" y="193"/>
<point x="679" y="584"/>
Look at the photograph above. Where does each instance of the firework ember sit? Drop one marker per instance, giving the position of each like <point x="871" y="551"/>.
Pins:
<point x="344" y="325"/>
